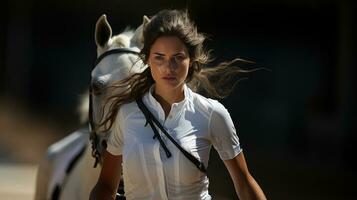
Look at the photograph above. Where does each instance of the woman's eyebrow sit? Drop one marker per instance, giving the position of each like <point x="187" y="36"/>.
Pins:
<point x="179" y="53"/>
<point x="160" y="54"/>
<point x="176" y="54"/>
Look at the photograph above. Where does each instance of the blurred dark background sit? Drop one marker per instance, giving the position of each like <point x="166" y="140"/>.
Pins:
<point x="296" y="122"/>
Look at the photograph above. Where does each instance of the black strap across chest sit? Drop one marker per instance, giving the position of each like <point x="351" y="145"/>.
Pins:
<point x="150" y="119"/>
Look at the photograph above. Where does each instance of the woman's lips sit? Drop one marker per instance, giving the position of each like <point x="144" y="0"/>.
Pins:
<point x="169" y="78"/>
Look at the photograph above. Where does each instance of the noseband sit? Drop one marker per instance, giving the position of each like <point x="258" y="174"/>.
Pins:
<point x="93" y="132"/>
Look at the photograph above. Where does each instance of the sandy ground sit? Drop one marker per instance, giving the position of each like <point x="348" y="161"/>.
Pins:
<point x="17" y="181"/>
<point x="24" y="139"/>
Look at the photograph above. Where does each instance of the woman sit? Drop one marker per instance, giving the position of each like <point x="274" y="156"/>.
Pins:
<point x="173" y="51"/>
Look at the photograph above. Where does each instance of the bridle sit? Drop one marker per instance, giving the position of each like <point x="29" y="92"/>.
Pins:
<point x="93" y="132"/>
<point x="115" y="51"/>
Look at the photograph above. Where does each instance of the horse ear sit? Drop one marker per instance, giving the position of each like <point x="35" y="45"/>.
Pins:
<point x="103" y="31"/>
<point x="138" y="38"/>
<point x="146" y="20"/>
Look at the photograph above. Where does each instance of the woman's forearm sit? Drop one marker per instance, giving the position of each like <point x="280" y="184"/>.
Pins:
<point x="109" y="178"/>
<point x="101" y="192"/>
<point x="249" y="189"/>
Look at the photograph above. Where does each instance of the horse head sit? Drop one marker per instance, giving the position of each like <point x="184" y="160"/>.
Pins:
<point x="116" y="66"/>
<point x="117" y="58"/>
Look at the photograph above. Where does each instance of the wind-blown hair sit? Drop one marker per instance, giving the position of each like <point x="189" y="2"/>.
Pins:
<point x="214" y="82"/>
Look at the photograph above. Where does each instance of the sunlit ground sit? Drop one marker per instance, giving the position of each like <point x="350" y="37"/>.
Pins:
<point x="24" y="139"/>
<point x="17" y="181"/>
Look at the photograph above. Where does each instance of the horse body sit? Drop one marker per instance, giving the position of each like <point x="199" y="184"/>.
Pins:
<point x="82" y="177"/>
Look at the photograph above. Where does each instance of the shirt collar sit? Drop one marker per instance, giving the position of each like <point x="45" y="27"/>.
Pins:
<point x="155" y="104"/>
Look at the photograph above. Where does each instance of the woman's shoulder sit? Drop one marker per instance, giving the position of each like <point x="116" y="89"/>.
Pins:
<point x="127" y="109"/>
<point x="211" y="108"/>
<point x="207" y="104"/>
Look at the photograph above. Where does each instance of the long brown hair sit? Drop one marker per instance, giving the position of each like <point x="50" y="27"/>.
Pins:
<point x="214" y="81"/>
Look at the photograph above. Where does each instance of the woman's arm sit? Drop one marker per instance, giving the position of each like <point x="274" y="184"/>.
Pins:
<point x="109" y="178"/>
<point x="245" y="185"/>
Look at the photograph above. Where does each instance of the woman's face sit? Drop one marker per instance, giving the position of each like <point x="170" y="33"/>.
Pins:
<point x="169" y="62"/>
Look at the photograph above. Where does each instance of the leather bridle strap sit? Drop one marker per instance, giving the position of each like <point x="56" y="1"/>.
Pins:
<point x="150" y="118"/>
<point x="93" y="131"/>
<point x="115" y="51"/>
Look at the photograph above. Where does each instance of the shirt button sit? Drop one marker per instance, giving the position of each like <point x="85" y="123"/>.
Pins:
<point x="170" y="116"/>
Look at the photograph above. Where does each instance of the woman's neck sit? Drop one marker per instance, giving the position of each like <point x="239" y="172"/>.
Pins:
<point x="167" y="97"/>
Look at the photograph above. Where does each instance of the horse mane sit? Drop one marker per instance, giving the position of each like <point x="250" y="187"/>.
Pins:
<point x="121" y="40"/>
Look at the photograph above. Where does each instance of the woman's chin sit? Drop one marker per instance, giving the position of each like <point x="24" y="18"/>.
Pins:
<point x="170" y="84"/>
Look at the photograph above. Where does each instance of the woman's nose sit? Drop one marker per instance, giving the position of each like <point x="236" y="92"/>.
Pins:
<point x="173" y="64"/>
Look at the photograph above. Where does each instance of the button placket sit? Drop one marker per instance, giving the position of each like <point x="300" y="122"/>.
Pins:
<point x="163" y="136"/>
<point x="172" y="111"/>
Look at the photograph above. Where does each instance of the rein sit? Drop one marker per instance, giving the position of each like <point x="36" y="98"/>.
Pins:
<point x="93" y="132"/>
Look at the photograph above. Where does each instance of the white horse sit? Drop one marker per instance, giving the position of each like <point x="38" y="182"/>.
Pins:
<point x="67" y="170"/>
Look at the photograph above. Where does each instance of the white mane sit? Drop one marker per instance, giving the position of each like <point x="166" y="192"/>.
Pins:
<point x="121" y="40"/>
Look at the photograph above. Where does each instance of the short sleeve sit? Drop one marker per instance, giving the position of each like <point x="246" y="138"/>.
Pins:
<point x="115" y="139"/>
<point x="223" y="133"/>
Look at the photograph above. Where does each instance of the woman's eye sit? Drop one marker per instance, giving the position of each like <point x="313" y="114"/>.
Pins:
<point x="179" y="57"/>
<point x="159" y="58"/>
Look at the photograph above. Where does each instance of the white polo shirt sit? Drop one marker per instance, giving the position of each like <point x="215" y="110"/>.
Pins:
<point x="196" y="123"/>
